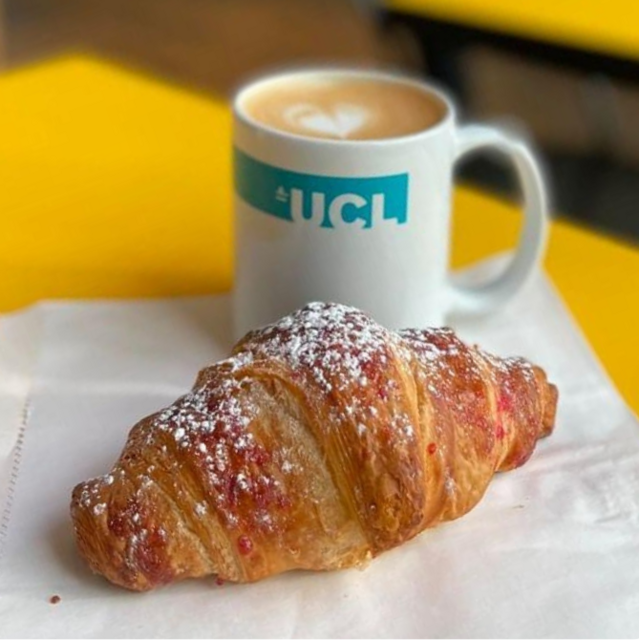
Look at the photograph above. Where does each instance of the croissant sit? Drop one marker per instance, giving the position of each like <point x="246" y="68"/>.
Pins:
<point x="321" y="442"/>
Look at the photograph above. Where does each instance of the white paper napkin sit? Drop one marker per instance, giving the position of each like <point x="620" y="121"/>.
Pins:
<point x="551" y="550"/>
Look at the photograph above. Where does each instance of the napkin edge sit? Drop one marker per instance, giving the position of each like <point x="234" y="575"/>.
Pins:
<point x="14" y="471"/>
<point x="29" y="333"/>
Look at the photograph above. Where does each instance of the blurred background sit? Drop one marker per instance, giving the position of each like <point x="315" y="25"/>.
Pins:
<point x="571" y="86"/>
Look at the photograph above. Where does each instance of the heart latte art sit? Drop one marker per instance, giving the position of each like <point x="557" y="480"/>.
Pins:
<point x="345" y="108"/>
<point x="341" y="121"/>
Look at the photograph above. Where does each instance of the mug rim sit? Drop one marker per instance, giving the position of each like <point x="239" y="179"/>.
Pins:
<point x="424" y="86"/>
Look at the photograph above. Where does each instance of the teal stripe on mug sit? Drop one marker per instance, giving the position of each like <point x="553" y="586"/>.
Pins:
<point x="323" y="200"/>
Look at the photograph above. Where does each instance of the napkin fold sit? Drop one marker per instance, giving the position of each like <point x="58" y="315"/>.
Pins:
<point x="550" y="551"/>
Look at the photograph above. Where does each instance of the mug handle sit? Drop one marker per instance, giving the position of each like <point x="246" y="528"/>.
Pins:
<point x="478" y="300"/>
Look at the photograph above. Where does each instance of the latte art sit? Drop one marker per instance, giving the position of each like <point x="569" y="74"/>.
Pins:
<point x="345" y="108"/>
<point x="341" y="121"/>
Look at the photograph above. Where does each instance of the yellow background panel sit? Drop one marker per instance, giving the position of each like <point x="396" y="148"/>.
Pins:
<point x="606" y="27"/>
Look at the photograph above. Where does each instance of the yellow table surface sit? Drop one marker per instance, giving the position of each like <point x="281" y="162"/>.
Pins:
<point x="116" y="185"/>
<point x="605" y="27"/>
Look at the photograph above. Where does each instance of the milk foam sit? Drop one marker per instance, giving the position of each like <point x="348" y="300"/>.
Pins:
<point x="340" y="121"/>
<point x="346" y="108"/>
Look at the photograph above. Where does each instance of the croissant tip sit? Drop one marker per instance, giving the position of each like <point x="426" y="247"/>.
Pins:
<point x="550" y="410"/>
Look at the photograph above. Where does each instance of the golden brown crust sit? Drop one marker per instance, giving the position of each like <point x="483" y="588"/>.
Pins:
<point x="323" y="441"/>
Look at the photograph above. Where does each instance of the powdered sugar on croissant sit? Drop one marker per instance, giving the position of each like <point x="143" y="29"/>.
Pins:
<point x="322" y="441"/>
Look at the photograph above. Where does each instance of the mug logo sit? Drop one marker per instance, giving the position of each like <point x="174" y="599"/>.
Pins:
<point x="324" y="200"/>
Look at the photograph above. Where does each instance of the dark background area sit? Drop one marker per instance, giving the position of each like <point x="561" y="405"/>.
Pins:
<point x="582" y="110"/>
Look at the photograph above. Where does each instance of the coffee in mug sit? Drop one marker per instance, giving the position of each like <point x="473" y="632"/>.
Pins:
<point x="344" y="108"/>
<point x="343" y="184"/>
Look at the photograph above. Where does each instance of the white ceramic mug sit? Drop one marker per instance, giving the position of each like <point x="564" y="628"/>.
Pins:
<point x="364" y="222"/>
